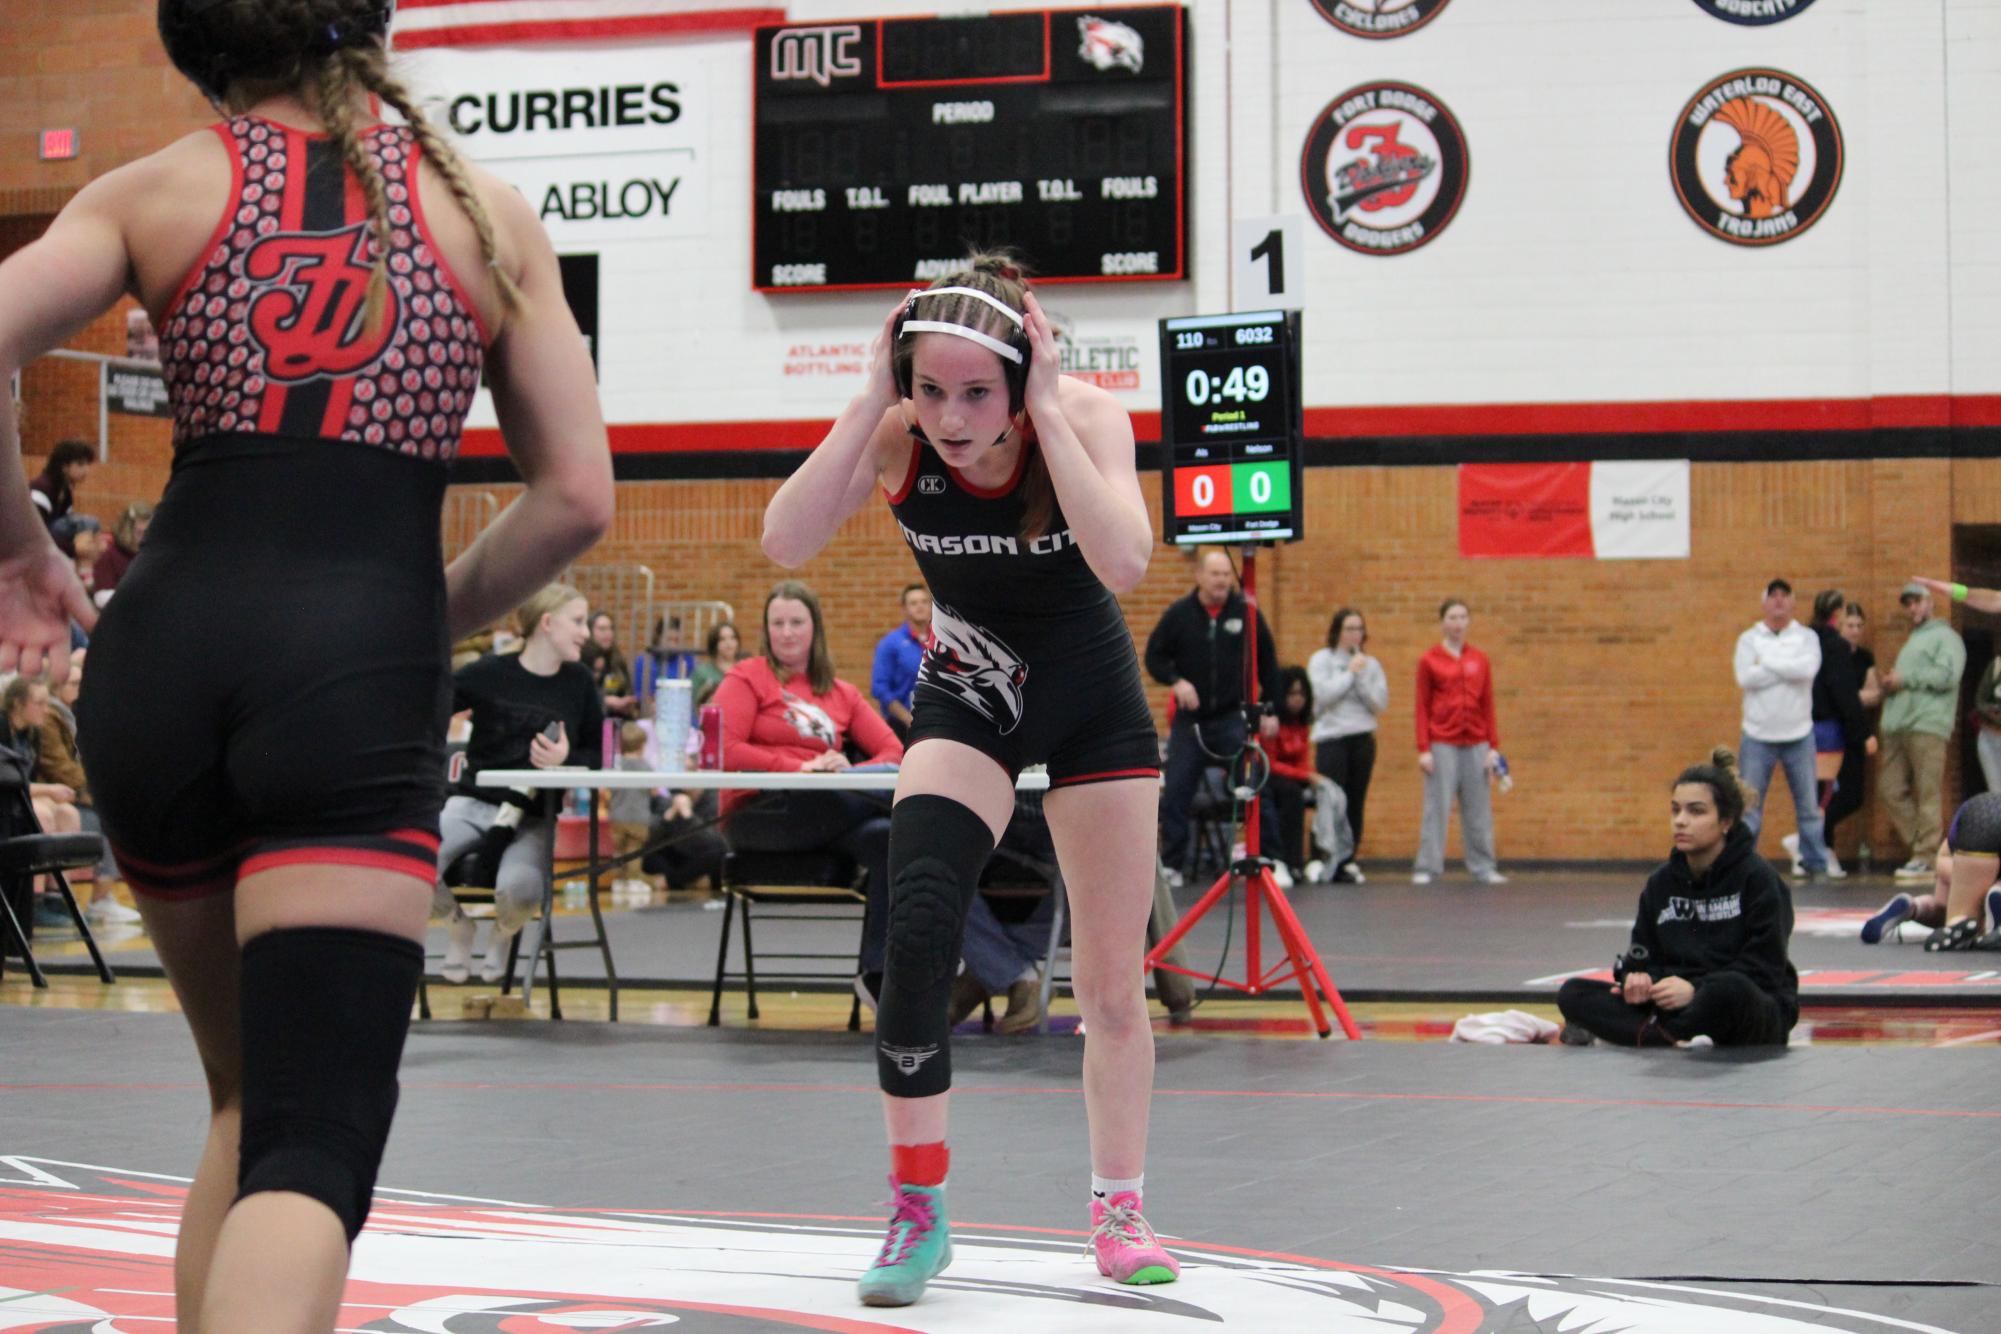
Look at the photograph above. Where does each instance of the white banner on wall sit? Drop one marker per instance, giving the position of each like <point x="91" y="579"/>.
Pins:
<point x="1639" y="511"/>
<point x="609" y="143"/>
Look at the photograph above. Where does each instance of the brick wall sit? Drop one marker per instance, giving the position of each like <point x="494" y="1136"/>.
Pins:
<point x="1610" y="676"/>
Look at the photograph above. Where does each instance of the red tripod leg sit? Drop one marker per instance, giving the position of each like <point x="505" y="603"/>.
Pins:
<point x="1188" y="920"/>
<point x="1312" y="970"/>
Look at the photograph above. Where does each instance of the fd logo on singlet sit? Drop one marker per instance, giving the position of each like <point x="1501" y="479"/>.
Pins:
<point x="310" y="315"/>
<point x="973" y="665"/>
<point x="1384" y="168"/>
<point x="1753" y="13"/>
<point x="1756" y="157"/>
<point x="1379" y="18"/>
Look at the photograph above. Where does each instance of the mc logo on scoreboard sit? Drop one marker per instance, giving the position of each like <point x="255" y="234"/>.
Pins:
<point x="819" y="54"/>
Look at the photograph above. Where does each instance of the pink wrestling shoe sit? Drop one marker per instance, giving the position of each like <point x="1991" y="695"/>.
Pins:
<point x="1125" y="1247"/>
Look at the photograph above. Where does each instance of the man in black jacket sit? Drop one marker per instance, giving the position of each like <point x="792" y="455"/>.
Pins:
<point x="1197" y="650"/>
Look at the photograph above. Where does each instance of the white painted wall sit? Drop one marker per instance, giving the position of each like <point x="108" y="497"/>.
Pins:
<point x="1571" y="273"/>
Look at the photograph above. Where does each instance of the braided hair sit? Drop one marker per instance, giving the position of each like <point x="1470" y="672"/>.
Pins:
<point x="239" y="52"/>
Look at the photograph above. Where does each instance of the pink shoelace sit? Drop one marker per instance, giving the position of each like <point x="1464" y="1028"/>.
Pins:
<point x="914" y="1216"/>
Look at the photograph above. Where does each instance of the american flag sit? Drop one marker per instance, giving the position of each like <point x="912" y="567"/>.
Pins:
<point x="421" y="23"/>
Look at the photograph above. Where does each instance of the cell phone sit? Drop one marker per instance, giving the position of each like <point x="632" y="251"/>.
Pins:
<point x="553" y="732"/>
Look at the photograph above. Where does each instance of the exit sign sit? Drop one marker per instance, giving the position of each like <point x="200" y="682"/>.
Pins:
<point x="58" y="144"/>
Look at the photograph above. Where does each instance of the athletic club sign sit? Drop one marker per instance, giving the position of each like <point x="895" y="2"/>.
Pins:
<point x="1384" y="168"/>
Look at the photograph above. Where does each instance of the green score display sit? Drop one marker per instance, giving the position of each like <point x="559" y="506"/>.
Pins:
<point x="1231" y="427"/>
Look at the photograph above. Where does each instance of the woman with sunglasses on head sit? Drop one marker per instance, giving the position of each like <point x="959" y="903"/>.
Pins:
<point x="1016" y="491"/>
<point x="327" y="288"/>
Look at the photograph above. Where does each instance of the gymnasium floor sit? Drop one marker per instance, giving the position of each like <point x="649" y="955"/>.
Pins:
<point x="585" y="1175"/>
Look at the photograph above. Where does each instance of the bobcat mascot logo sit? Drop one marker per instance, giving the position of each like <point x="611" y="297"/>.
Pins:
<point x="973" y="666"/>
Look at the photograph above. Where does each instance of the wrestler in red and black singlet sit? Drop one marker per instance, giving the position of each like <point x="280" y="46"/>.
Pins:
<point x="275" y="666"/>
<point x="1030" y="660"/>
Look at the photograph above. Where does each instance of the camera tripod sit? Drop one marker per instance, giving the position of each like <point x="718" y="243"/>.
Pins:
<point x="1262" y="894"/>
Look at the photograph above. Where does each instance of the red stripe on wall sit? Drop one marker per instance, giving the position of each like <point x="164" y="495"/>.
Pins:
<point x="565" y="30"/>
<point x="1785" y="414"/>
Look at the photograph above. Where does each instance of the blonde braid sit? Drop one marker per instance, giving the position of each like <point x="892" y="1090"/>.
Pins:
<point x="377" y="78"/>
<point x="333" y="87"/>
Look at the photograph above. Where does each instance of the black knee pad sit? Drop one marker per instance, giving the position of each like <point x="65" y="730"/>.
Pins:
<point x="937" y="849"/>
<point x="325" y="1011"/>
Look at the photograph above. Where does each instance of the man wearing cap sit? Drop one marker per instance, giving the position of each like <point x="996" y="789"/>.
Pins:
<point x="1921" y="697"/>
<point x="1776" y="662"/>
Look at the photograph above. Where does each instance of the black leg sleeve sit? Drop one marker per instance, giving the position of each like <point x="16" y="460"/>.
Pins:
<point x="937" y="849"/>
<point x="1595" y="1007"/>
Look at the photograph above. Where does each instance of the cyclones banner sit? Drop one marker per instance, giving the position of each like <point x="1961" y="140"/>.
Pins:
<point x="1606" y="511"/>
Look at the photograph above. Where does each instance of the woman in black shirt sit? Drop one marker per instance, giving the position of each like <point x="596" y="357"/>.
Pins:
<point x="534" y="709"/>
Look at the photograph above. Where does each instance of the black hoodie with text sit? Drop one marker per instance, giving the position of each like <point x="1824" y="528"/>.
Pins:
<point x="1736" y="918"/>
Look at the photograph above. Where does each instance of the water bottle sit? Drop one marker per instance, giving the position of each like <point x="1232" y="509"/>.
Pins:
<point x="673" y="711"/>
<point x="712" y="737"/>
<point x="1501" y="772"/>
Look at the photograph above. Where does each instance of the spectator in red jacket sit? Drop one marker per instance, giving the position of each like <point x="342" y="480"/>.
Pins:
<point x="1458" y="746"/>
<point x="1292" y="772"/>
<point x="787" y="712"/>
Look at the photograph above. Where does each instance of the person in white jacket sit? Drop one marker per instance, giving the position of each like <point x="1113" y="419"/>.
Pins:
<point x="1776" y="662"/>
<point x="1349" y="691"/>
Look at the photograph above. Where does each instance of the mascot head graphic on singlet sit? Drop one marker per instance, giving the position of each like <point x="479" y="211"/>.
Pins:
<point x="976" y="667"/>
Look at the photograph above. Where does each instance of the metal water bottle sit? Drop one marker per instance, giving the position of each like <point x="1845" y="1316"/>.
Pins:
<point x="712" y="737"/>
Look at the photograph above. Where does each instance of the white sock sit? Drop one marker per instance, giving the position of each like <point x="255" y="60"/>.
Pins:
<point x="1103" y="1188"/>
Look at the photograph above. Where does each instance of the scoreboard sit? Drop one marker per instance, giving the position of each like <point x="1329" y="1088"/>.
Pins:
<point x="887" y="149"/>
<point x="1231" y="427"/>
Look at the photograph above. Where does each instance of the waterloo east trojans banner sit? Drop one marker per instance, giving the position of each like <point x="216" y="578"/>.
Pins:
<point x="1607" y="511"/>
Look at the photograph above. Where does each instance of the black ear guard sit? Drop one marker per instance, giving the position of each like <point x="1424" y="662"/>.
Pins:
<point x="184" y="31"/>
<point x="1014" y="372"/>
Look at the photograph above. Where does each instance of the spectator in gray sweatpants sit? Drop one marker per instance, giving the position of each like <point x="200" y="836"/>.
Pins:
<point x="1458" y="745"/>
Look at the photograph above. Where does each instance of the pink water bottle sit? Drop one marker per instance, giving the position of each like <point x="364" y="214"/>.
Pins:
<point x="712" y="737"/>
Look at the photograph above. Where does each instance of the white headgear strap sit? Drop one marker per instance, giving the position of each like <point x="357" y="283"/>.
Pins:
<point x="940" y="326"/>
<point x="975" y="293"/>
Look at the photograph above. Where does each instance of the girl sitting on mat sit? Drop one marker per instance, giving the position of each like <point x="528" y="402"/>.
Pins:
<point x="1708" y="953"/>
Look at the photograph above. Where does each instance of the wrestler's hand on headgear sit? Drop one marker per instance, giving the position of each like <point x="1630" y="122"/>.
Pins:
<point x="39" y="596"/>
<point x="1039" y="394"/>
<point x="881" y="384"/>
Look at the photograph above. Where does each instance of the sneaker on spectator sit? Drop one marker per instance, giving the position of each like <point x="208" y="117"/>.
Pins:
<point x="1791" y="843"/>
<point x="1900" y="909"/>
<point x="1491" y="878"/>
<point x="1174" y="878"/>
<point x="1576" y="1035"/>
<point x="868" y="987"/>
<point x="51" y="915"/>
<point x="968" y="995"/>
<point x="1316" y="871"/>
<point x="1281" y="875"/>
<point x="1914" y="869"/>
<point x="1420" y="877"/>
<point x="108" y="911"/>
<point x="1835" y="870"/>
<point x="457" y="967"/>
<point x="1124" y="1245"/>
<point x="1350" y="874"/>
<point x="496" y="957"/>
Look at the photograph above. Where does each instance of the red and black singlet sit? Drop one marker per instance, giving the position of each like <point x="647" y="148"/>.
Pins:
<point x="268" y="333"/>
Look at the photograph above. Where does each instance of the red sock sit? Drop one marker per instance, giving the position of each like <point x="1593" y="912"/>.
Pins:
<point x="920" y="1164"/>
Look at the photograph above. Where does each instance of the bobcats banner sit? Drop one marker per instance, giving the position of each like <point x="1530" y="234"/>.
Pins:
<point x="1607" y="511"/>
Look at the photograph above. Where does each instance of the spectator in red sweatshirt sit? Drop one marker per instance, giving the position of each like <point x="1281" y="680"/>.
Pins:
<point x="1292" y="772"/>
<point x="1458" y="745"/>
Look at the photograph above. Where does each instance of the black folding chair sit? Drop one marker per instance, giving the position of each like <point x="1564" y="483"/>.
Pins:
<point x="25" y="853"/>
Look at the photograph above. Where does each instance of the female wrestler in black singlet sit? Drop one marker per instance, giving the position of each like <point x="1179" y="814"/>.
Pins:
<point x="264" y="717"/>
<point x="1015" y="489"/>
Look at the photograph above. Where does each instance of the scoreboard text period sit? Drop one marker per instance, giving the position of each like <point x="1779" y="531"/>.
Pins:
<point x="1231" y="426"/>
<point x="886" y="150"/>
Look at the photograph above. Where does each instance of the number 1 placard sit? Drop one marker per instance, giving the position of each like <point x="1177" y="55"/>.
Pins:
<point x="1269" y="263"/>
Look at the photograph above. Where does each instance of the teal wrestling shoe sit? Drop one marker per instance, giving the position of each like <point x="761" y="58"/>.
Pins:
<point x="918" y="1247"/>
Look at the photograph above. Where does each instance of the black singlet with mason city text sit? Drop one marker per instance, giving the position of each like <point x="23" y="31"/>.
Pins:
<point x="1030" y="658"/>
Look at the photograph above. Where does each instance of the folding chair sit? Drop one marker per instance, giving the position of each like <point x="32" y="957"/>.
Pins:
<point x="790" y="887"/>
<point x="27" y="852"/>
